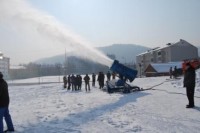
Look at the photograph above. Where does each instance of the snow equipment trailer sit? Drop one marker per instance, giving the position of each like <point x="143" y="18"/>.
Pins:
<point x="124" y="73"/>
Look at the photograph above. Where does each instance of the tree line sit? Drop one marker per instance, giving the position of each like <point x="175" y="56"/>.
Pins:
<point x="77" y="66"/>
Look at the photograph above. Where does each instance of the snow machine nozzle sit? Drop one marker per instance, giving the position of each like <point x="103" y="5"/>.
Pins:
<point x="123" y="71"/>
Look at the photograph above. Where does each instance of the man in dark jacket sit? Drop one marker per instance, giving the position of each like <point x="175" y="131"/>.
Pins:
<point x="170" y="72"/>
<point x="4" y="103"/>
<point x="189" y="83"/>
<point x="69" y="82"/>
<point x="65" y="81"/>
<point x="87" y="82"/>
<point x="108" y="76"/>
<point x="73" y="82"/>
<point x="93" y="79"/>
<point x="101" y="80"/>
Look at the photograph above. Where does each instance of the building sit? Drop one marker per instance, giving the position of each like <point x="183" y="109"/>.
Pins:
<point x="176" y="52"/>
<point x="162" y="69"/>
<point x="4" y="65"/>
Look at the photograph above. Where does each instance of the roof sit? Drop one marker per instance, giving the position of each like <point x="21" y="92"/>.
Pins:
<point x="164" y="67"/>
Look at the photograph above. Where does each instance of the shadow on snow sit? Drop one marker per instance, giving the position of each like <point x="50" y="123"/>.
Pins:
<point x="73" y="122"/>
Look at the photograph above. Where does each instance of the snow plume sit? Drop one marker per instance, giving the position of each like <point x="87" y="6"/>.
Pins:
<point x="36" y="34"/>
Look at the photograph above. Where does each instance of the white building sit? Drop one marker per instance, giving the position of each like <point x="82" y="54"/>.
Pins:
<point x="179" y="51"/>
<point x="4" y="65"/>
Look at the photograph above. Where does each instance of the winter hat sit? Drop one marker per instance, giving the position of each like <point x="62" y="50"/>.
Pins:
<point x="1" y="75"/>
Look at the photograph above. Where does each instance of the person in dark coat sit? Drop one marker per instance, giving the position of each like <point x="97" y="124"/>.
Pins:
<point x="76" y="82"/>
<point x="101" y="80"/>
<point x="93" y="79"/>
<point x="65" y="81"/>
<point x="69" y="82"/>
<point x="73" y="82"/>
<point x="108" y="76"/>
<point x="175" y="72"/>
<point x="87" y="82"/>
<point x="4" y="105"/>
<point x="189" y="83"/>
<point x="79" y="82"/>
<point x="170" y="72"/>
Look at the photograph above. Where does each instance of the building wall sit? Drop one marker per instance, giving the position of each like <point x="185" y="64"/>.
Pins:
<point x="142" y="62"/>
<point x="179" y="51"/>
<point x="167" y="54"/>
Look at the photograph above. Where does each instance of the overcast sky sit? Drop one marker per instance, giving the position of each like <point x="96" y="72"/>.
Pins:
<point x="26" y="26"/>
<point x="144" y="22"/>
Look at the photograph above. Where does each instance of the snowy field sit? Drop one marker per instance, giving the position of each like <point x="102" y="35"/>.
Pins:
<point x="48" y="108"/>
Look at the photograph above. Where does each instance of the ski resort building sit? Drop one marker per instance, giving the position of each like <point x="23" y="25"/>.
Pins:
<point x="4" y="65"/>
<point x="172" y="52"/>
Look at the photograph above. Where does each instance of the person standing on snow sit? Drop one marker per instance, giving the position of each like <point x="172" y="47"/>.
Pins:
<point x="101" y="80"/>
<point x="79" y="82"/>
<point x="87" y="82"/>
<point x="69" y="82"/>
<point x="102" y="77"/>
<point x="189" y="83"/>
<point x="73" y="82"/>
<point x="93" y="79"/>
<point x="108" y="76"/>
<point x="4" y="104"/>
<point x="65" y="81"/>
<point x="76" y="82"/>
<point x="175" y="72"/>
<point x="170" y="72"/>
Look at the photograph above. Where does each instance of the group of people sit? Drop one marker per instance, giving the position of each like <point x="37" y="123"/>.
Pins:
<point x="101" y="78"/>
<point x="75" y="82"/>
<point x="72" y="82"/>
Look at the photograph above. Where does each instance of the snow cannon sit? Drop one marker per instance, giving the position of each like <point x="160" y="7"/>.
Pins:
<point x="124" y="73"/>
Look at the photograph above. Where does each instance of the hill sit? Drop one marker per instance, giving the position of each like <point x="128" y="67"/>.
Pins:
<point x="123" y="52"/>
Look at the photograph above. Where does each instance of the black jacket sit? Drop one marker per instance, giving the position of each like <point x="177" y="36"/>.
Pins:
<point x="87" y="79"/>
<point x="4" y="96"/>
<point x="189" y="77"/>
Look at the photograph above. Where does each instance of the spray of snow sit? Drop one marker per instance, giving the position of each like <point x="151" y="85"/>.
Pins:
<point x="41" y="35"/>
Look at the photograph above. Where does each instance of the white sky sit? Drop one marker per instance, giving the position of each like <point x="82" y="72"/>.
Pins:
<point x="100" y="22"/>
<point x="143" y="22"/>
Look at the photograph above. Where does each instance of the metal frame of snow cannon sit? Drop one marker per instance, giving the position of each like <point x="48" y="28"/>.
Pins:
<point x="125" y="74"/>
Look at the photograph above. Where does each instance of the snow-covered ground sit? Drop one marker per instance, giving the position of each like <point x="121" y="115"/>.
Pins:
<point x="48" y="108"/>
